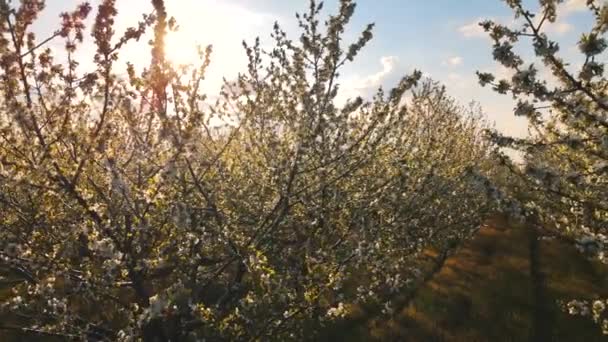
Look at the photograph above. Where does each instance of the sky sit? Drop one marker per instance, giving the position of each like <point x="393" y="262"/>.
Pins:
<point x="441" y="38"/>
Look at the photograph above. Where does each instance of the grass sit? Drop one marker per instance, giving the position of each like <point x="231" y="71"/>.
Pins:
<point x="504" y="285"/>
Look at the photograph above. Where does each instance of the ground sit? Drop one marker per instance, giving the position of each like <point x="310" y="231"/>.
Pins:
<point x="504" y="285"/>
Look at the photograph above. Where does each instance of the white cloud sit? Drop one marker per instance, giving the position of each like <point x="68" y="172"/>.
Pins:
<point x="559" y="27"/>
<point x="389" y="64"/>
<point x="365" y="86"/>
<point x="453" y="61"/>
<point x="472" y="29"/>
<point x="565" y="10"/>
<point x="572" y="6"/>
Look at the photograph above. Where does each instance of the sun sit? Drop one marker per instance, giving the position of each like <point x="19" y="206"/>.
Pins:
<point x="222" y="24"/>
<point x="181" y="48"/>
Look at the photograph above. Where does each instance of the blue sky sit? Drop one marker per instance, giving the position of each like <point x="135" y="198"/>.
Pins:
<point x="439" y="37"/>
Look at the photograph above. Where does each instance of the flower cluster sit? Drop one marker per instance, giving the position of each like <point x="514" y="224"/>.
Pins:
<point x="563" y="178"/>
<point x="595" y="309"/>
<point x="135" y="209"/>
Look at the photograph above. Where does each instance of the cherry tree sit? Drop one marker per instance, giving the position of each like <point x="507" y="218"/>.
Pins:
<point x="134" y="207"/>
<point x="566" y="154"/>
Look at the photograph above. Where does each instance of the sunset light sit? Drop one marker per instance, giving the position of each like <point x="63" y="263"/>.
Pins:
<point x="303" y="170"/>
<point x="221" y="24"/>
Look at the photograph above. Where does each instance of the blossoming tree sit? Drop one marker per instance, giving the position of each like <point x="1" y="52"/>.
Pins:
<point x="133" y="207"/>
<point x="566" y="155"/>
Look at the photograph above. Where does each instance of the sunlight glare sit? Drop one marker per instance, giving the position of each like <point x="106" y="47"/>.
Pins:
<point x="222" y="24"/>
<point x="181" y="48"/>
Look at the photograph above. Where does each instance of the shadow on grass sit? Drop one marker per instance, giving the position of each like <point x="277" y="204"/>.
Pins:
<point x="502" y="286"/>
